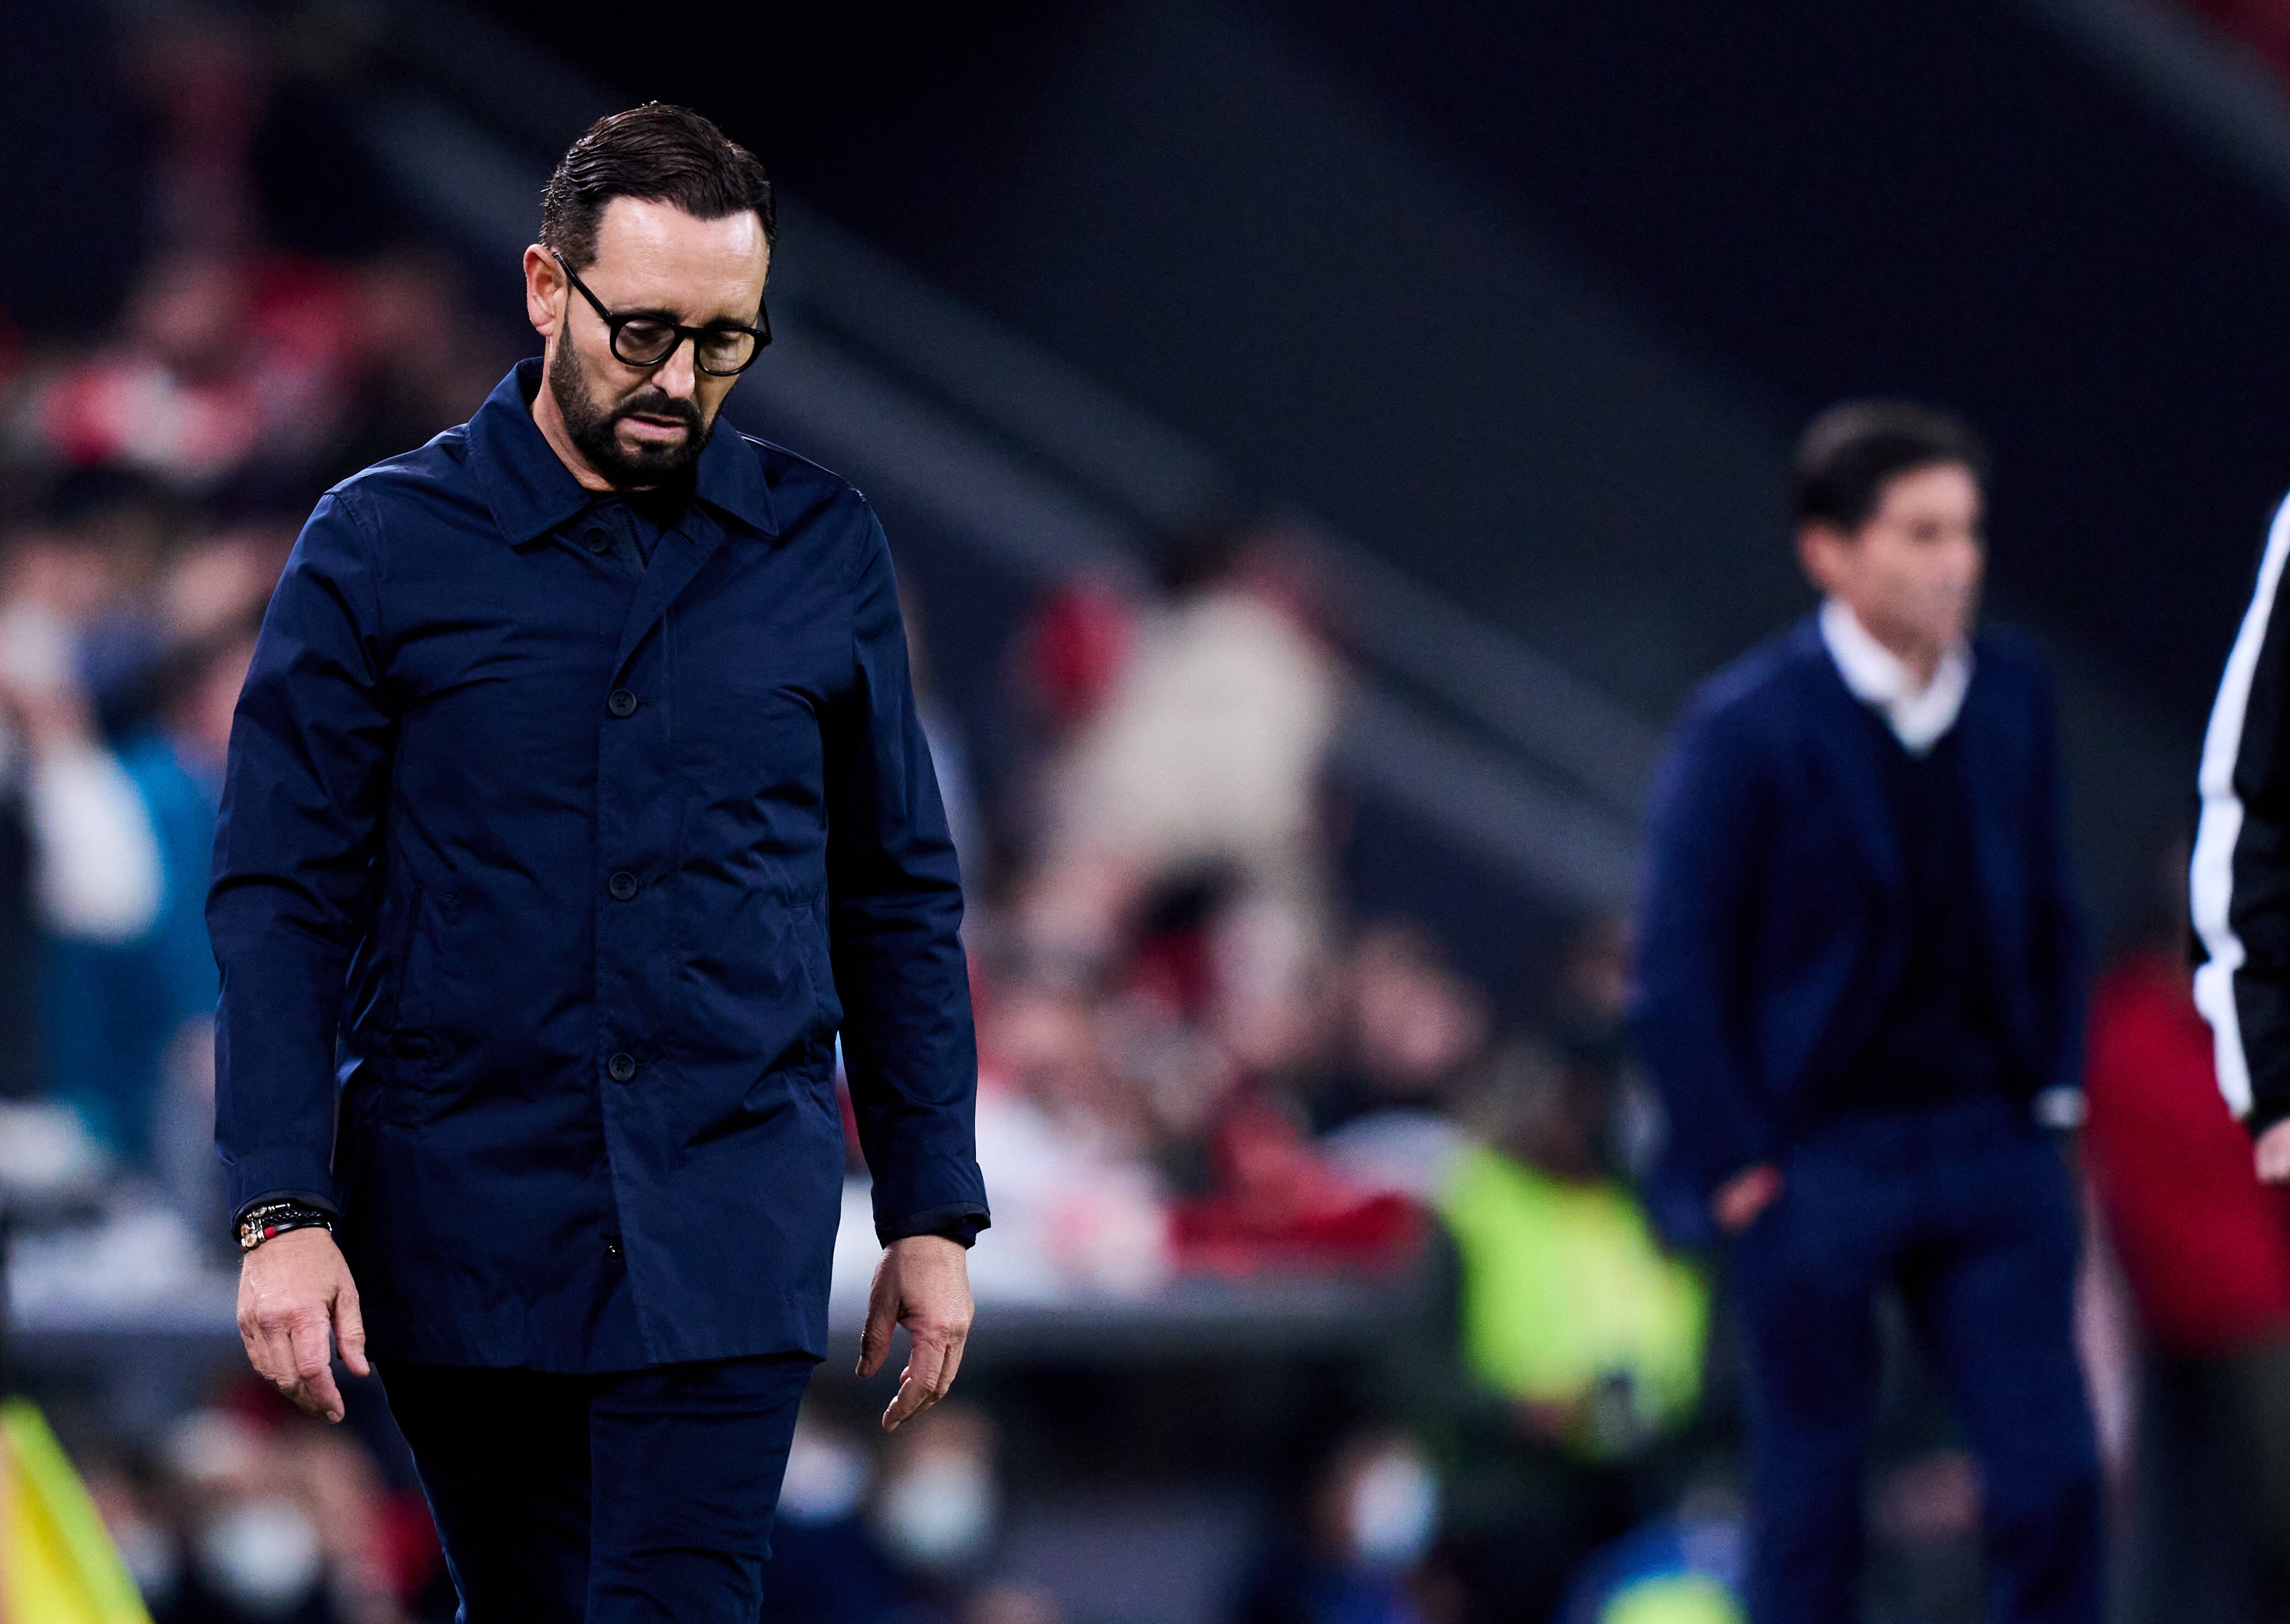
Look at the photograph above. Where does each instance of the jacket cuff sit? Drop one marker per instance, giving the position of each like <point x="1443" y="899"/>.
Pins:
<point x="279" y="1175"/>
<point x="959" y="1223"/>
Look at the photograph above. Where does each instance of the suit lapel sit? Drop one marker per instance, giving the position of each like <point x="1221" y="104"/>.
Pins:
<point x="1850" y="752"/>
<point x="1988" y="752"/>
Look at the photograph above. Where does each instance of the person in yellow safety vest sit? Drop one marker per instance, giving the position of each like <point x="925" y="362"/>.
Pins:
<point x="1570" y="1307"/>
<point x="1574" y="1343"/>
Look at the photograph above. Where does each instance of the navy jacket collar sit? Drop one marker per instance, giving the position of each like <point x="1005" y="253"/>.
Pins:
<point x="531" y="492"/>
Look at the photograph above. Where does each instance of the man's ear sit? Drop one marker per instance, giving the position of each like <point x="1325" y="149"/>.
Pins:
<point x="544" y="290"/>
<point x="1821" y="549"/>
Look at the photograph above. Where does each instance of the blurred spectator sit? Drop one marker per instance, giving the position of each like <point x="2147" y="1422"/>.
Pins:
<point x="224" y="360"/>
<point x="1371" y="1518"/>
<point x="1577" y="1342"/>
<point x="1071" y="655"/>
<point x="1410" y="1031"/>
<point x="2205" y="1249"/>
<point x="1588" y="1012"/>
<point x="132" y="1514"/>
<point x="1203" y="758"/>
<point x="1683" y="1570"/>
<point x="911" y="1541"/>
<point x="94" y="873"/>
<point x="1590" y="1003"/>
<point x="1065" y="1142"/>
<point x="825" y="1567"/>
<point x="938" y="1506"/>
<point x="120" y="1006"/>
<point x="178" y="766"/>
<point x="253" y="1522"/>
<point x="1570" y="1310"/>
<point x="122" y="524"/>
<point x="910" y="1544"/>
<point x="1062" y="663"/>
<point x="418" y="364"/>
<point x="1278" y="1206"/>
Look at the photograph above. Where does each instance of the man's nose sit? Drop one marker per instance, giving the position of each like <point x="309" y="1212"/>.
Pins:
<point x="678" y="375"/>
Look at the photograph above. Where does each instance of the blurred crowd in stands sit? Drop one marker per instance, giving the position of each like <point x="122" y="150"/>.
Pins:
<point x="1193" y="1061"/>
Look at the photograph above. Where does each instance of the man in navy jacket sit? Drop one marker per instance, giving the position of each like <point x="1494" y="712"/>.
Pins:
<point x="1861" y="996"/>
<point x="576" y="800"/>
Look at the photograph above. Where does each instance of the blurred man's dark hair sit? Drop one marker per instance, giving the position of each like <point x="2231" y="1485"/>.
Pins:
<point x="658" y="154"/>
<point x="1850" y="452"/>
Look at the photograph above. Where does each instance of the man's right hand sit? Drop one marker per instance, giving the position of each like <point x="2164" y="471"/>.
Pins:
<point x="296" y="1304"/>
<point x="1741" y="1198"/>
<point x="2273" y="1150"/>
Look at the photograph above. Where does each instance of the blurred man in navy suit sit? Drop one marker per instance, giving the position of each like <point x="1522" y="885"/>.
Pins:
<point x="1861" y="997"/>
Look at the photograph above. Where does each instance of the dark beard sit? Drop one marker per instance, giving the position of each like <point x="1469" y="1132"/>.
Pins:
<point x="592" y="429"/>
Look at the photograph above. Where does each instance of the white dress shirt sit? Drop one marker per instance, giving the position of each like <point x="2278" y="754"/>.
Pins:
<point x="1919" y="715"/>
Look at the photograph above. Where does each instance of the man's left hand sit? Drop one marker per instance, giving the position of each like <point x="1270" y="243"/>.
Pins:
<point x="923" y="1282"/>
<point x="2274" y="1154"/>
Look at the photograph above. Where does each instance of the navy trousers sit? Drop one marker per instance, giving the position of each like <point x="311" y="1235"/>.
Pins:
<point x="641" y="1496"/>
<point x="1968" y="1211"/>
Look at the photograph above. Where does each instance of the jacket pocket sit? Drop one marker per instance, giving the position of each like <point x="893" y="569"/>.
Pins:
<point x="809" y="923"/>
<point x="421" y="964"/>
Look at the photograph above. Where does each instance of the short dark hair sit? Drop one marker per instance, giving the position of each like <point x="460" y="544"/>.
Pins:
<point x="1850" y="452"/>
<point x="658" y="153"/>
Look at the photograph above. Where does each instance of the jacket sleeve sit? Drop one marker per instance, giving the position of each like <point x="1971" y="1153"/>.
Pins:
<point x="894" y="917"/>
<point x="2239" y="884"/>
<point x="2062" y="949"/>
<point x="1705" y="835"/>
<point x="310" y="752"/>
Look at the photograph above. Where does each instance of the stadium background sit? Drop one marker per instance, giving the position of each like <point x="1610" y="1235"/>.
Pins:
<point x="1416" y="388"/>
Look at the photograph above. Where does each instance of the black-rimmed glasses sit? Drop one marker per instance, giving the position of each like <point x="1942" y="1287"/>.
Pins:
<point x="646" y="338"/>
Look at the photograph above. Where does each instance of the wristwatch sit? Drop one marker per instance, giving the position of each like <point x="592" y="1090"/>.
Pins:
<point x="268" y="1219"/>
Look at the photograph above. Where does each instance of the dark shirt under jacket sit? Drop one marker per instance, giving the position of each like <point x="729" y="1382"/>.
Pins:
<point x="562" y="875"/>
<point x="627" y="529"/>
<point x="1940" y="1037"/>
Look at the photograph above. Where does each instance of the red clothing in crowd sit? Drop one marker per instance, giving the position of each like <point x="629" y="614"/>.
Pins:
<point x="2205" y="1246"/>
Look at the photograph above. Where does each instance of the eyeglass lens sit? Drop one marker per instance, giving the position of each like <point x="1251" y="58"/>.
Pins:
<point x="642" y="342"/>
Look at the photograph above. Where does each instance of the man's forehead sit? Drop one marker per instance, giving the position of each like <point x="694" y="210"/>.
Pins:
<point x="654" y="254"/>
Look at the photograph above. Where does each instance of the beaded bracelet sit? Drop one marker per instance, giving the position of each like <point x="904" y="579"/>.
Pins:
<point x="261" y="1223"/>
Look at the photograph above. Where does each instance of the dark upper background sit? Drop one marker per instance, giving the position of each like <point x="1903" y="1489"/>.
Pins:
<point x="1795" y="201"/>
<point x="1531" y="300"/>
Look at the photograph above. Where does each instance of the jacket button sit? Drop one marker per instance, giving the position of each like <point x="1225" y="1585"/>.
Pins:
<point x="623" y="703"/>
<point x="622" y="1067"/>
<point x="623" y="886"/>
<point x="612" y="1249"/>
<point x="594" y="539"/>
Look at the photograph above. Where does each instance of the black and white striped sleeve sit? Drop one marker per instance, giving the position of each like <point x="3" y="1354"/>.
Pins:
<point x="2239" y="884"/>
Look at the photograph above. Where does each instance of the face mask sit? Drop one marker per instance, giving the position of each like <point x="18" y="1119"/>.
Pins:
<point x="1394" y="1512"/>
<point x="263" y="1555"/>
<point x="825" y="1477"/>
<point x="939" y="1512"/>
